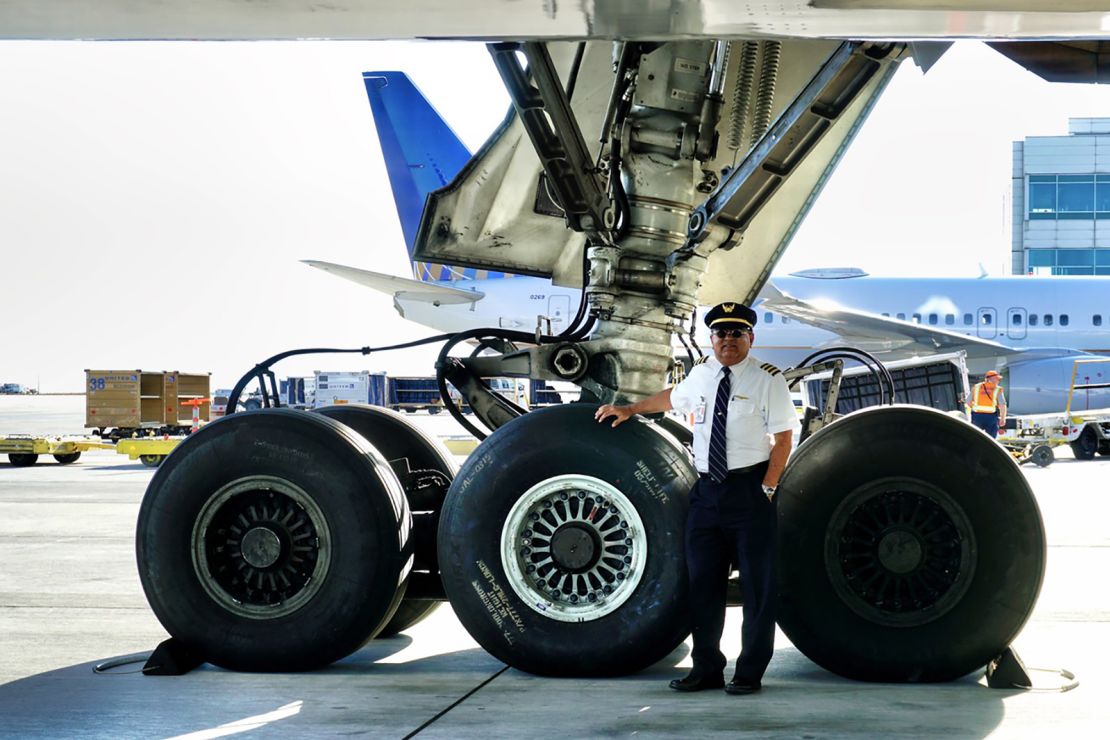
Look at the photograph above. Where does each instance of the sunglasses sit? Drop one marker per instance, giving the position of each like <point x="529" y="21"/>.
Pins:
<point x="731" y="333"/>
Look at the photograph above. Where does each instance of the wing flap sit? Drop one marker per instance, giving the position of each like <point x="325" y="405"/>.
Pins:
<point x="399" y="287"/>
<point x="879" y="333"/>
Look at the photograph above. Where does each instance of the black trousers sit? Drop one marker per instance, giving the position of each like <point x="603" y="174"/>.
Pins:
<point x="732" y="523"/>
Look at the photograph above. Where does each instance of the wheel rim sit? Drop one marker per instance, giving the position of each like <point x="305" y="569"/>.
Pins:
<point x="900" y="552"/>
<point x="573" y="548"/>
<point x="261" y="547"/>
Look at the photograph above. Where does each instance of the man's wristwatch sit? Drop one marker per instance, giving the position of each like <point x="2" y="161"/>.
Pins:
<point x="769" y="490"/>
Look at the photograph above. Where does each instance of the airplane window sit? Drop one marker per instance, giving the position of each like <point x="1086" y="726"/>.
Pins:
<point x="1063" y="319"/>
<point x="1032" y="319"/>
<point x="1097" y="319"/>
<point x="902" y="317"/>
<point x="967" y="319"/>
<point x="886" y="314"/>
<point x="933" y="319"/>
<point x="786" y="319"/>
<point x="949" y="319"/>
<point x="1015" y="319"/>
<point x="1048" y="319"/>
<point x="917" y="318"/>
<point x="767" y="318"/>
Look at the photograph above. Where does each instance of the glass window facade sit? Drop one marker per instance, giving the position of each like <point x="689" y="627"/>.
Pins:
<point x="1069" y="197"/>
<point x="1069" y="261"/>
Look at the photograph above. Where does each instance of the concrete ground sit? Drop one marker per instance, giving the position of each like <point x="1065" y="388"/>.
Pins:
<point x="70" y="599"/>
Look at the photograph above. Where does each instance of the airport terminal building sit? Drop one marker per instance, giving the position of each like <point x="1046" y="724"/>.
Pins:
<point x="1061" y="201"/>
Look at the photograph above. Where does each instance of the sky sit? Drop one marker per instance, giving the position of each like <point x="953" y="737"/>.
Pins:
<point x="157" y="198"/>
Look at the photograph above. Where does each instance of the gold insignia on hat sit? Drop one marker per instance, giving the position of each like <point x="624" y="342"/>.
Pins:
<point x="728" y="307"/>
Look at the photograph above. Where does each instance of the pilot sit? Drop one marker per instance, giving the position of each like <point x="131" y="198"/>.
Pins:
<point x="744" y="423"/>
<point x="988" y="404"/>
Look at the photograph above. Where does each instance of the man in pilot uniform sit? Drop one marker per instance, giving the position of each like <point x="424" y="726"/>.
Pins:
<point x="744" y="424"/>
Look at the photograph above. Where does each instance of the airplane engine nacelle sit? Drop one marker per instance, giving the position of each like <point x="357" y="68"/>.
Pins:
<point x="1041" y="386"/>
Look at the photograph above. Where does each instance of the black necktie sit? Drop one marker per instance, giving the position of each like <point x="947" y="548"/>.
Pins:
<point x="718" y="453"/>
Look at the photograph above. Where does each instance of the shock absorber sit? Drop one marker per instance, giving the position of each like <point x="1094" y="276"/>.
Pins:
<point x="765" y="98"/>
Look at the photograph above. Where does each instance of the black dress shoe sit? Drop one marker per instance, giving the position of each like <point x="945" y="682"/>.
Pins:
<point x="742" y="686"/>
<point x="698" y="682"/>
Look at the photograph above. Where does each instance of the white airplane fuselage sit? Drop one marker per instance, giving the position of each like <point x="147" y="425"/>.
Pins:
<point x="1071" y="314"/>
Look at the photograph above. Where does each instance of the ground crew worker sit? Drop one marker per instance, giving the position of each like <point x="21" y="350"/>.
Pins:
<point x="988" y="404"/>
<point x="738" y="403"/>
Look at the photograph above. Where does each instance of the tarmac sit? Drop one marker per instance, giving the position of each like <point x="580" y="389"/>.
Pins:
<point x="70" y="600"/>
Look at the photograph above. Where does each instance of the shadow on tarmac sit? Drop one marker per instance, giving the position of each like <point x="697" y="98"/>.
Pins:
<point x="468" y="693"/>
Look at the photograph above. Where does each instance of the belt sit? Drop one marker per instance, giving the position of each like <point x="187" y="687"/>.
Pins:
<point x="758" y="467"/>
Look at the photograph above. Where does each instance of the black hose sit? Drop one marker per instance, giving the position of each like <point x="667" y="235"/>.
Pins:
<point x="873" y="364"/>
<point x="262" y="369"/>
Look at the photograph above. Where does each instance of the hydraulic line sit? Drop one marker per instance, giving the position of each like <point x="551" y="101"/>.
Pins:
<point x="876" y="367"/>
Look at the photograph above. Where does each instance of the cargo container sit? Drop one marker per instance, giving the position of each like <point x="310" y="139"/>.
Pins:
<point x="120" y="403"/>
<point x="414" y="394"/>
<point x="339" y="387"/>
<point x="298" y="393"/>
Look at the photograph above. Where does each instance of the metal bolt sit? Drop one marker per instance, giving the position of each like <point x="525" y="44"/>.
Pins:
<point x="574" y="598"/>
<point x="607" y="589"/>
<point x="530" y="568"/>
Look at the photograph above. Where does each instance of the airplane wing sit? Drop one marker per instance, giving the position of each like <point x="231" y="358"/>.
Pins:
<point x="400" y="287"/>
<point x="880" y="333"/>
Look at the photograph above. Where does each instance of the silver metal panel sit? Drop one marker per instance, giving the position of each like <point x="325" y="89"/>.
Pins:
<point x="511" y="19"/>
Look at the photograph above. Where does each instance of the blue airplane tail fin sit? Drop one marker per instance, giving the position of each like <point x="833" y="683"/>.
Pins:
<point x="422" y="154"/>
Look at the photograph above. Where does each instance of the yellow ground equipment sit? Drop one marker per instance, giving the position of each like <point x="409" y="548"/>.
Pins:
<point x="23" y="449"/>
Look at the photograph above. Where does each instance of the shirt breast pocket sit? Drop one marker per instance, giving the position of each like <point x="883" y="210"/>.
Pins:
<point x="742" y="407"/>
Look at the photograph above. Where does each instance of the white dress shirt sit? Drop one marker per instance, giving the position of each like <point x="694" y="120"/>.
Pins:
<point x="759" y="406"/>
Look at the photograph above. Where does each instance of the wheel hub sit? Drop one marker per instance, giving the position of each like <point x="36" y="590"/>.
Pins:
<point x="261" y="547"/>
<point x="900" y="552"/>
<point x="573" y="548"/>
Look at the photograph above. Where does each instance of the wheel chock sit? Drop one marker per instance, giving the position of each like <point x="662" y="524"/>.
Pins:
<point x="172" y="658"/>
<point x="1008" y="672"/>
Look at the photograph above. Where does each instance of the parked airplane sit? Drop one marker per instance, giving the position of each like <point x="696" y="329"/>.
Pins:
<point x="890" y="547"/>
<point x="1033" y="327"/>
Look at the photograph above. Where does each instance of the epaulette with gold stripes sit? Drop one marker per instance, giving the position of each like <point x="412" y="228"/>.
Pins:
<point x="770" y="369"/>
<point x="701" y="360"/>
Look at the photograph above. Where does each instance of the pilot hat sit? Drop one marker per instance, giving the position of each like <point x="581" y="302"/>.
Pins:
<point x="730" y="316"/>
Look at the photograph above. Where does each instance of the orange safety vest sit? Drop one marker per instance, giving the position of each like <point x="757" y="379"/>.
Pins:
<point x="984" y="401"/>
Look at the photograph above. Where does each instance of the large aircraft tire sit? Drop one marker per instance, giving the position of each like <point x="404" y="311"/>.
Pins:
<point x="68" y="458"/>
<point x="911" y="547"/>
<point x="274" y="540"/>
<point x="397" y="439"/>
<point x="22" y="459"/>
<point x="594" y="514"/>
